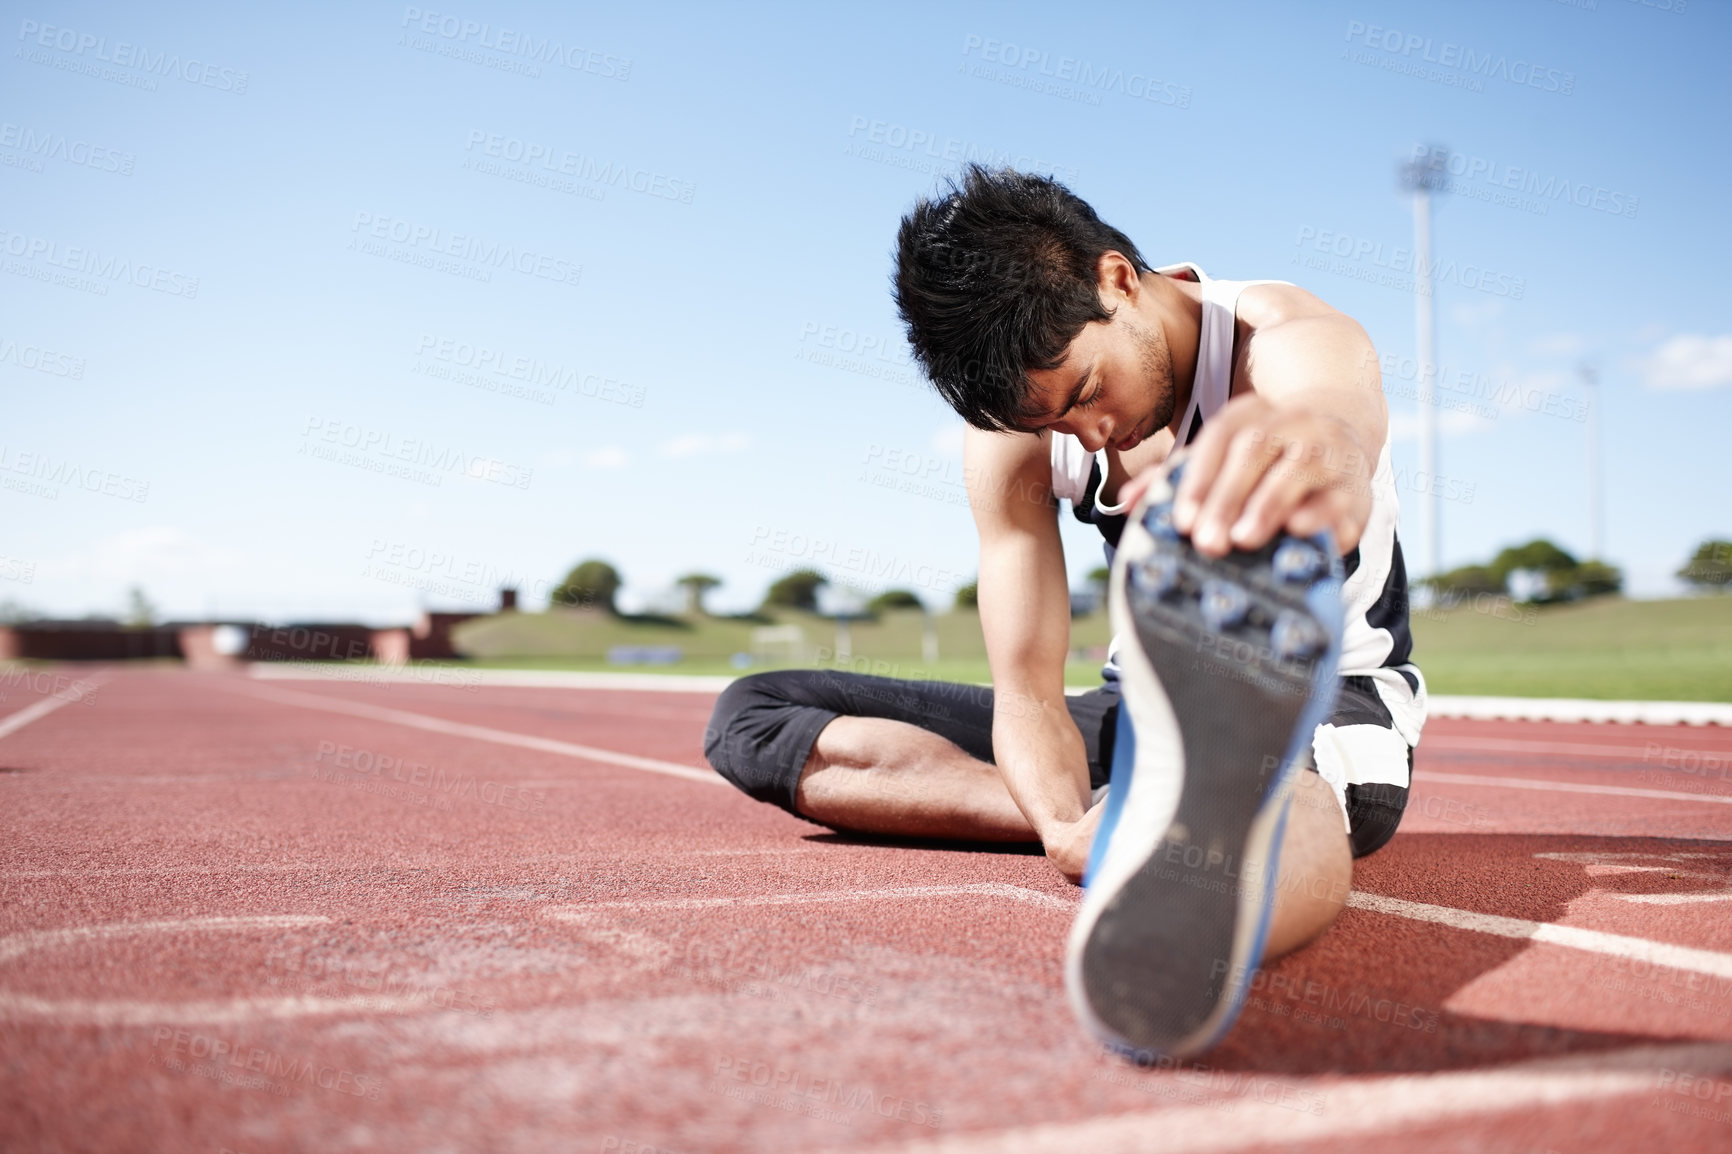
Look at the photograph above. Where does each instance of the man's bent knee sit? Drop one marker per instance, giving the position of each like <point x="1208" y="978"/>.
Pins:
<point x="1373" y="811"/>
<point x="759" y="737"/>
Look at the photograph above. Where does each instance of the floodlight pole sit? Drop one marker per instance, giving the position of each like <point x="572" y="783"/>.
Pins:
<point x="1422" y="177"/>
<point x="1425" y="322"/>
<point x="1596" y="506"/>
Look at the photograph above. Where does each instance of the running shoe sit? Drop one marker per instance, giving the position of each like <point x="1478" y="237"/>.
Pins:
<point x="1227" y="667"/>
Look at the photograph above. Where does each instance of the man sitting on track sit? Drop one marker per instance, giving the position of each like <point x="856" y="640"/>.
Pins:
<point x="1259" y="609"/>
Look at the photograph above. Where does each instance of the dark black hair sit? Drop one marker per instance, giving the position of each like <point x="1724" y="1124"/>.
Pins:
<point x="996" y="278"/>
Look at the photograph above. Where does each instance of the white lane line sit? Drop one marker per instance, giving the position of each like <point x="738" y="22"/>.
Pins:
<point x="1592" y="941"/>
<point x="89" y="1012"/>
<point x="976" y="889"/>
<point x="1600" y="857"/>
<point x="1265" y="1111"/>
<point x="1606" y="864"/>
<point x="1437" y="705"/>
<point x="483" y="733"/>
<point x="130" y="1012"/>
<point x="15" y="945"/>
<point x="1426" y="775"/>
<point x="1673" y="899"/>
<point x="1580" y="709"/>
<point x="370" y="867"/>
<point x="778" y="850"/>
<point x="1558" y="748"/>
<point x="459" y="677"/>
<point x="14" y="722"/>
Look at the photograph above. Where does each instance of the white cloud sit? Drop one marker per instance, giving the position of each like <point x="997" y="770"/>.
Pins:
<point x="1450" y="423"/>
<point x="1559" y="345"/>
<point x="693" y="444"/>
<point x="1688" y="361"/>
<point x="610" y="457"/>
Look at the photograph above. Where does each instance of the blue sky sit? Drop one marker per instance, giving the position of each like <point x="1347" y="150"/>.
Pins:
<point x="340" y="311"/>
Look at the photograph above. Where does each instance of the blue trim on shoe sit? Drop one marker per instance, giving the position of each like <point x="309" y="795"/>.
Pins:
<point x="1324" y="600"/>
<point x="1118" y="787"/>
<point x="1237" y="990"/>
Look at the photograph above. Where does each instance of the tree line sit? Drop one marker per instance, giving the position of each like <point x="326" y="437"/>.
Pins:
<point x="1538" y="572"/>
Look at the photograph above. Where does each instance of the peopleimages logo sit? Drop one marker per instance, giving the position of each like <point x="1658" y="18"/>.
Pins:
<point x="924" y="150"/>
<point x="412" y="457"/>
<point x="1498" y="175"/>
<point x="1089" y="79"/>
<point x="511" y="42"/>
<point x="774" y="547"/>
<point x="41" y="360"/>
<point x="91" y="263"/>
<point x="556" y="161"/>
<point x="423" y="244"/>
<point x="251" y="1067"/>
<point x="62" y="471"/>
<point x="1363" y="258"/>
<point x="1480" y="66"/>
<point x="482" y="363"/>
<point x="85" y="46"/>
<point x="49" y="145"/>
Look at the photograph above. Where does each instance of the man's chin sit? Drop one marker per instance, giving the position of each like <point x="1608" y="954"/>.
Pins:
<point x="1160" y="419"/>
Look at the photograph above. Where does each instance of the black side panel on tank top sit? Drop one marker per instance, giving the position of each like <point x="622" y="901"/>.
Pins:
<point x="1085" y="511"/>
<point x="1389" y="611"/>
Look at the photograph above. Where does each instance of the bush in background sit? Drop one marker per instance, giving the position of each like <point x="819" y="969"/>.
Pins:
<point x="1710" y="567"/>
<point x="798" y="590"/>
<point x="1538" y="572"/>
<point x="592" y="583"/>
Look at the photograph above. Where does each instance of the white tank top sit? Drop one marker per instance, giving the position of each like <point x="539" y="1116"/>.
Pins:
<point x="1367" y="647"/>
<point x="1211" y="388"/>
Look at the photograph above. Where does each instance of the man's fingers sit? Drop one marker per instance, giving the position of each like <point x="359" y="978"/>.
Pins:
<point x="1287" y="484"/>
<point x="1203" y="461"/>
<point x="1133" y="490"/>
<point x="1248" y="456"/>
<point x="1254" y="471"/>
<point x="1330" y="509"/>
<point x="1284" y="489"/>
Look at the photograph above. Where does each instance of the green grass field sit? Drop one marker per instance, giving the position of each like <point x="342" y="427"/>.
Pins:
<point x="1610" y="648"/>
<point x="1607" y="648"/>
<point x="889" y="647"/>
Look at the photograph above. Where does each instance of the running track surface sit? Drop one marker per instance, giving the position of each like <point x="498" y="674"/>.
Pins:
<point x="334" y="916"/>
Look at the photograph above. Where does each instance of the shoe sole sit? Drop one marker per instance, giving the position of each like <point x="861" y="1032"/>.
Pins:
<point x="1237" y="657"/>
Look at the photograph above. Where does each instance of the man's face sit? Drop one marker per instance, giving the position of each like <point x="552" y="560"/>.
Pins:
<point x="1114" y="388"/>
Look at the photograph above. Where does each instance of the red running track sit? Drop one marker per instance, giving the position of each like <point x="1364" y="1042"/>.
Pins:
<point x="328" y="916"/>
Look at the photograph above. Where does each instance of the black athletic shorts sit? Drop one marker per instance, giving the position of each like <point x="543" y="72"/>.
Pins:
<point x="763" y="727"/>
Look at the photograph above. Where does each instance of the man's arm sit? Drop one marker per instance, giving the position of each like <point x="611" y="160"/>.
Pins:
<point x="1297" y="450"/>
<point x="1025" y="616"/>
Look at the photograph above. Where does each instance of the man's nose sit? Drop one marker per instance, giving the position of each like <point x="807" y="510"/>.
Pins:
<point x="1094" y="435"/>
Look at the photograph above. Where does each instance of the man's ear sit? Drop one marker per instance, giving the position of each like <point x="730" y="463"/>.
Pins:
<point x="1117" y="277"/>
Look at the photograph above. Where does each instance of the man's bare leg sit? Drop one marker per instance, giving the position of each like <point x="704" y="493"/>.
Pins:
<point x="879" y="776"/>
<point x="873" y="775"/>
<point x="1316" y="868"/>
